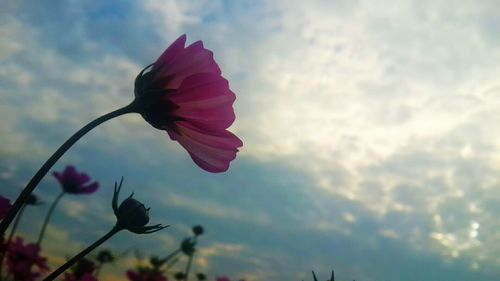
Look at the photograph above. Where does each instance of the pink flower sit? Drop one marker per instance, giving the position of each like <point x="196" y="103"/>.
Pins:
<point x="222" y="278"/>
<point x="4" y="206"/>
<point x="185" y="95"/>
<point x="74" y="182"/>
<point x="146" y="275"/>
<point x="24" y="262"/>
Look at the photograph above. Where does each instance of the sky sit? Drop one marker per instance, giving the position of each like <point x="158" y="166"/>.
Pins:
<point x="370" y="131"/>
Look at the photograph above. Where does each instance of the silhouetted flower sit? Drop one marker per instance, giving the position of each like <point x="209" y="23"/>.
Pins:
<point x="74" y="182"/>
<point x="184" y="94"/>
<point x="201" y="276"/>
<point x="24" y="262"/>
<point x="132" y="215"/>
<point x="188" y="246"/>
<point x="82" y="271"/>
<point x="198" y="230"/>
<point x="105" y="256"/>
<point x="145" y="275"/>
<point x="4" y="206"/>
<point x="179" y="276"/>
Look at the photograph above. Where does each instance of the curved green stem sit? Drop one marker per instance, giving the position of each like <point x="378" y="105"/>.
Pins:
<point x="132" y="107"/>
<point x="82" y="254"/>
<point x="47" y="218"/>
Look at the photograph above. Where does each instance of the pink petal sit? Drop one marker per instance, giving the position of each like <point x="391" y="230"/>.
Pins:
<point x="220" y="139"/>
<point x="171" y="52"/>
<point x="205" y="99"/>
<point x="205" y="149"/>
<point x="194" y="59"/>
<point x="89" y="189"/>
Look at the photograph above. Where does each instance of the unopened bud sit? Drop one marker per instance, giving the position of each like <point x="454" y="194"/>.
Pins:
<point x="132" y="214"/>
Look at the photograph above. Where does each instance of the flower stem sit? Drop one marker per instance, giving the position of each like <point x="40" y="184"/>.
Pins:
<point x="47" y="218"/>
<point x="82" y="254"/>
<point x="53" y="159"/>
<point x="188" y="266"/>
<point x="16" y="223"/>
<point x="171" y="255"/>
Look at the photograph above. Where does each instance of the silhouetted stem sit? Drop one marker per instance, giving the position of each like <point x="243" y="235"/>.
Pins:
<point x="188" y="266"/>
<point x="82" y="254"/>
<point x="47" y="218"/>
<point x="53" y="159"/>
<point x="171" y="255"/>
<point x="16" y="223"/>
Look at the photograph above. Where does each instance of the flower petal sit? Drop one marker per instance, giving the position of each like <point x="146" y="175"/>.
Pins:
<point x="89" y="188"/>
<point x="206" y="100"/>
<point x="194" y="59"/>
<point x="171" y="52"/>
<point x="205" y="148"/>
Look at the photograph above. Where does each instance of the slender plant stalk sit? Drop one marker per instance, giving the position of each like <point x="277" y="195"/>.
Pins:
<point x="16" y="223"/>
<point x="171" y="255"/>
<point x="82" y="254"/>
<point x="188" y="266"/>
<point x="47" y="218"/>
<point x="53" y="159"/>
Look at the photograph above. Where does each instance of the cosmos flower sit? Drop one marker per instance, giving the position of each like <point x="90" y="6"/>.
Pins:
<point x="24" y="262"/>
<point x="74" y="182"/>
<point x="4" y="206"/>
<point x="82" y="271"/>
<point x="184" y="94"/>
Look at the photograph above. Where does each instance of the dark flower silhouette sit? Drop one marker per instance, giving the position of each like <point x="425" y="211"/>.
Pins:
<point x="82" y="271"/>
<point x="184" y="94"/>
<point x="132" y="215"/>
<point x="74" y="182"/>
<point x="198" y="230"/>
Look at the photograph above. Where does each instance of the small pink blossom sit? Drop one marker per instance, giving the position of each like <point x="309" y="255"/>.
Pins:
<point x="4" y="206"/>
<point x="185" y="94"/>
<point x="24" y="262"/>
<point x="75" y="182"/>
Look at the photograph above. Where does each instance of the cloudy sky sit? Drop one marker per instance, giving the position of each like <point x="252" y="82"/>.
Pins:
<point x="370" y="130"/>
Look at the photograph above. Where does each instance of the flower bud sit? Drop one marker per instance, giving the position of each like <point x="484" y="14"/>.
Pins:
<point x="187" y="246"/>
<point x="198" y="230"/>
<point x="132" y="214"/>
